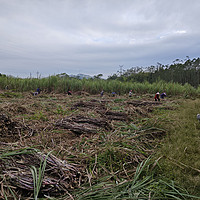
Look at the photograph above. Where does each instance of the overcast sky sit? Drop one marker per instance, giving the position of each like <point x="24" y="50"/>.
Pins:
<point x="95" y="36"/>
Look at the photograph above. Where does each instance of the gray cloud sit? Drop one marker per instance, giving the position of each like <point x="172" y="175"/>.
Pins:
<point x="92" y="36"/>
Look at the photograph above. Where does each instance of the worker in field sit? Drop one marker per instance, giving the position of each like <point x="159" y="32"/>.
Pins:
<point x="114" y="94"/>
<point x="130" y="93"/>
<point x="102" y="92"/>
<point x="157" y="96"/>
<point x="69" y="92"/>
<point x="38" y="90"/>
<point x="163" y="95"/>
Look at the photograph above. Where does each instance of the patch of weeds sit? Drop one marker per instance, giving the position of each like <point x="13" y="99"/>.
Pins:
<point x="161" y="110"/>
<point x="47" y="109"/>
<point x="102" y="138"/>
<point x="118" y="108"/>
<point x="123" y="144"/>
<point x="146" y="122"/>
<point x="85" y="144"/>
<point x="84" y="139"/>
<point x="131" y="127"/>
<point x="39" y="116"/>
<point x="111" y="159"/>
<point x="36" y="105"/>
<point x="43" y="96"/>
<point x="144" y="185"/>
<point x="92" y="114"/>
<point x="119" y="100"/>
<point x="128" y="129"/>
<point x="139" y="97"/>
<point x="54" y="99"/>
<point x="60" y="110"/>
<point x="181" y="147"/>
<point x="11" y="95"/>
<point x="59" y="131"/>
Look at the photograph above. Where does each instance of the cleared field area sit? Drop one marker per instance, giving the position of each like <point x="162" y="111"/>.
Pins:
<point x="84" y="146"/>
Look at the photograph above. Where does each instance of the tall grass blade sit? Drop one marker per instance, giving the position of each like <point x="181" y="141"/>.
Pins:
<point x="17" y="152"/>
<point x="15" y="198"/>
<point x="38" y="177"/>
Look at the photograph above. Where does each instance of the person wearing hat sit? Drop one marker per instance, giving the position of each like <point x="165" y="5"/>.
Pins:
<point x="102" y="93"/>
<point x="69" y="92"/>
<point x="157" y="96"/>
<point x="163" y="95"/>
<point x="130" y="93"/>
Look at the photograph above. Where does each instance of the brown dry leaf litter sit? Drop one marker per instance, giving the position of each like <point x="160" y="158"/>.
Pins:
<point x="113" y="115"/>
<point x="11" y="131"/>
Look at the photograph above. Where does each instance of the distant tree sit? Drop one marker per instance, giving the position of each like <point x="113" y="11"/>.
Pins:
<point x="2" y="75"/>
<point x="98" y="76"/>
<point x="63" y="75"/>
<point x="187" y="71"/>
<point x="113" y="77"/>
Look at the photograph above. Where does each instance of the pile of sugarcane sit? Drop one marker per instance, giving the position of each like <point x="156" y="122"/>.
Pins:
<point x="80" y="124"/>
<point x="89" y="104"/>
<point x="58" y="177"/>
<point x="100" y="107"/>
<point x="113" y="115"/>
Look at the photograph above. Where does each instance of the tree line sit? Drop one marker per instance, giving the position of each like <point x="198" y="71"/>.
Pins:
<point x="181" y="71"/>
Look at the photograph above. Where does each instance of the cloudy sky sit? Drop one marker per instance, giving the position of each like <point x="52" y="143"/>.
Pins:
<point x="95" y="36"/>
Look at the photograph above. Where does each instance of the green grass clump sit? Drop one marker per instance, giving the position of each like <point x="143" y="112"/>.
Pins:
<point x="39" y="116"/>
<point x="144" y="185"/>
<point x="38" y="176"/>
<point x="180" y="150"/>
<point x="112" y="159"/>
<point x="11" y="95"/>
<point x="60" y="110"/>
<point x="119" y="100"/>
